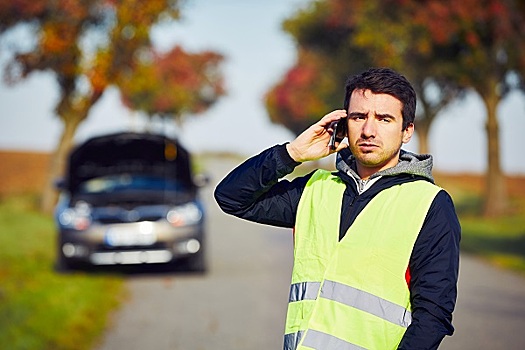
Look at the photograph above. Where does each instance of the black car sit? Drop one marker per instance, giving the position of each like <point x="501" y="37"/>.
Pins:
<point x="130" y="198"/>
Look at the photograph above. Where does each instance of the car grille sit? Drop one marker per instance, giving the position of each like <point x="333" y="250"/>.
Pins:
<point x="106" y="248"/>
<point x="127" y="218"/>
<point x="116" y="215"/>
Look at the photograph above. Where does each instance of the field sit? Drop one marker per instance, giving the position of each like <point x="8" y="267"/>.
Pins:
<point x="40" y="308"/>
<point x="22" y="172"/>
<point x="25" y="172"/>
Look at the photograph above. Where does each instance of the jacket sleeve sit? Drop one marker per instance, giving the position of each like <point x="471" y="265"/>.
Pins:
<point x="434" y="266"/>
<point x="252" y="191"/>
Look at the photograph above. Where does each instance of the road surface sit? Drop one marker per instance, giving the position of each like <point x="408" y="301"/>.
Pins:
<point x="241" y="302"/>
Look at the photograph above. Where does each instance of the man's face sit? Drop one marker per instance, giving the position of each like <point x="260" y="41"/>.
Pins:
<point x="375" y="131"/>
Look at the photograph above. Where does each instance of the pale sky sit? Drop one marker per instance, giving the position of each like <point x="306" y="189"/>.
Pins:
<point x="258" y="53"/>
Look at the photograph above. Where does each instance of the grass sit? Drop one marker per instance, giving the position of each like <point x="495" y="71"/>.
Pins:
<point x="499" y="240"/>
<point x="39" y="308"/>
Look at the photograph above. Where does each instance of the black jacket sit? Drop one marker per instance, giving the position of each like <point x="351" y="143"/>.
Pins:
<point x="256" y="191"/>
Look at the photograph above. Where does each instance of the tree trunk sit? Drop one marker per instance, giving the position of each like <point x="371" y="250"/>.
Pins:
<point x="423" y="129"/>
<point x="496" y="198"/>
<point x="58" y="163"/>
<point x="423" y="123"/>
<point x="71" y="114"/>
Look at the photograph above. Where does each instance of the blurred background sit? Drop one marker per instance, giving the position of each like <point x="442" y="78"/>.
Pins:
<point x="228" y="79"/>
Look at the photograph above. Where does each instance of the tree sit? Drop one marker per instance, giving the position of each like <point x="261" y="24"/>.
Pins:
<point x="173" y="84"/>
<point x="88" y="45"/>
<point x="482" y="41"/>
<point x="305" y="93"/>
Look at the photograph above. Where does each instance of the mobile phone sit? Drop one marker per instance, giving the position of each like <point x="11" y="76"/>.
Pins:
<point x="339" y="132"/>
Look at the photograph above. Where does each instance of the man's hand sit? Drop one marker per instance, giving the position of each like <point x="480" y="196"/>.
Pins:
<point x="312" y="144"/>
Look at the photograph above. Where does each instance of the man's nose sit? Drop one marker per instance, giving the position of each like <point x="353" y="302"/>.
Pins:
<point x="369" y="128"/>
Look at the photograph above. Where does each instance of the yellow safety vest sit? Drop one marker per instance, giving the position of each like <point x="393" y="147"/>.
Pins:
<point x="352" y="293"/>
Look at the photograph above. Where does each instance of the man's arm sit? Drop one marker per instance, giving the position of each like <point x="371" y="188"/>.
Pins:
<point x="434" y="269"/>
<point x="252" y="191"/>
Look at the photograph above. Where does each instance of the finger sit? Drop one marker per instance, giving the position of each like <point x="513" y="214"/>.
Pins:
<point x="332" y="116"/>
<point x="341" y="146"/>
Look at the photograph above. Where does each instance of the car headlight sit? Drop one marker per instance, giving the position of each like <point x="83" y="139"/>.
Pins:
<point x="78" y="217"/>
<point x="184" y="215"/>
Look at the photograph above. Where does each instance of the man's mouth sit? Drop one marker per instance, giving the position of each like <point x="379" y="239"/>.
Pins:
<point x="367" y="146"/>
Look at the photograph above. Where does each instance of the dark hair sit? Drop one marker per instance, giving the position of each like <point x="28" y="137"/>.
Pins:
<point x="385" y="81"/>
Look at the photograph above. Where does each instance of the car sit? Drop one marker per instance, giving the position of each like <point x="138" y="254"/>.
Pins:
<point x="130" y="198"/>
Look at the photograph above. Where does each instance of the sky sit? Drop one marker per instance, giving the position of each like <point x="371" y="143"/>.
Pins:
<point x="257" y="54"/>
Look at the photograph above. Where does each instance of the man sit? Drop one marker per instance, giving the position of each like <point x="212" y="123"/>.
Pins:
<point x="376" y="244"/>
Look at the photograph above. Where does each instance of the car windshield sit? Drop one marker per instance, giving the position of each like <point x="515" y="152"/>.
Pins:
<point x="127" y="182"/>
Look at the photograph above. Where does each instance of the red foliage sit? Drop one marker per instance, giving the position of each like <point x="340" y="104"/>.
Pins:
<point x="472" y="18"/>
<point x="174" y="83"/>
<point x="300" y="97"/>
<point x="13" y="10"/>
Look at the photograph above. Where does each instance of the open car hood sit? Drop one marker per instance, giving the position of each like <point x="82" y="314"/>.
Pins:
<point x="128" y="153"/>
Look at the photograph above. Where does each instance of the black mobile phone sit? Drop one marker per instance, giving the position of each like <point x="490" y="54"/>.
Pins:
<point x="339" y="132"/>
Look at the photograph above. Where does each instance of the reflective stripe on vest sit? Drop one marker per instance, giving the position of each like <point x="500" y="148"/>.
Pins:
<point x="363" y="301"/>
<point x="322" y="341"/>
<point x="292" y="340"/>
<point x="367" y="302"/>
<point x="304" y="291"/>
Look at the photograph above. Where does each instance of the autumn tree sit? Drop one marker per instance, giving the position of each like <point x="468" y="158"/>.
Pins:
<point x="305" y="93"/>
<point x="483" y="43"/>
<point x="174" y="84"/>
<point x="88" y="45"/>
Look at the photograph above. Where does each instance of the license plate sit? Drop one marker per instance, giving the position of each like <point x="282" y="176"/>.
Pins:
<point x="125" y="237"/>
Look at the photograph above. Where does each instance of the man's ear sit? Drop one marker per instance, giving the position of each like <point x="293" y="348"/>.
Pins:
<point x="407" y="133"/>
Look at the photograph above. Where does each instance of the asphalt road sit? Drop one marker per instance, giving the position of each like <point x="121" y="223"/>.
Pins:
<point x="490" y="311"/>
<point x="241" y="302"/>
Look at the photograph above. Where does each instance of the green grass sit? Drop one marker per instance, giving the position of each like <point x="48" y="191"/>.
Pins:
<point x="499" y="240"/>
<point x="39" y="308"/>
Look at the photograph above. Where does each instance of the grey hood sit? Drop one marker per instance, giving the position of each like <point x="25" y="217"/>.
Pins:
<point x="409" y="163"/>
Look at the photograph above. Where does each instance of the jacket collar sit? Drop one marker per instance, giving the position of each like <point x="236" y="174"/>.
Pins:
<point x="409" y="163"/>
